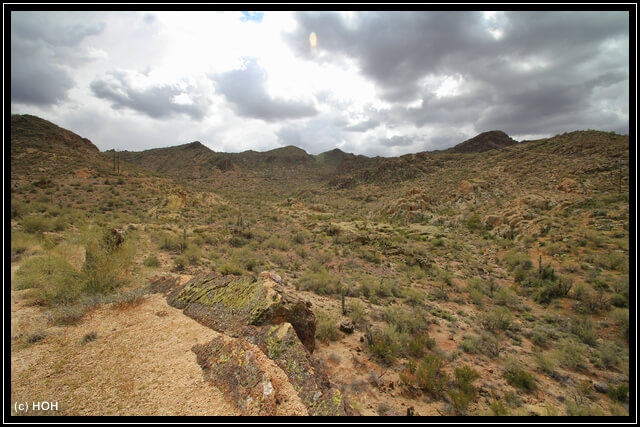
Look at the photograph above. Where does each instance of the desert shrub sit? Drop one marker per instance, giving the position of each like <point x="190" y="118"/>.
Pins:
<point x="464" y="391"/>
<point x="192" y="255"/>
<point x="498" y="408"/>
<point x="151" y="261"/>
<point x="168" y="241"/>
<point x="515" y="259"/>
<point x="326" y="329"/>
<point x="416" y="346"/>
<point x="546" y="363"/>
<point x="88" y="337"/>
<point x="621" y="297"/>
<point x="428" y="376"/>
<point x="498" y="318"/>
<point x="274" y="242"/>
<point x="228" y="268"/>
<point x="411" y="321"/>
<point x="356" y="311"/>
<point x="385" y="345"/>
<point x="67" y="314"/>
<point x="321" y="282"/>
<point x="575" y="409"/>
<point x="607" y="356"/>
<point x="620" y="301"/>
<point x="572" y="355"/>
<point x="506" y="297"/>
<point x="34" y="224"/>
<point x="18" y="209"/>
<point x="589" y="301"/>
<point x="107" y="263"/>
<point x="583" y="328"/>
<point x="621" y="317"/>
<point x="614" y="261"/>
<point x="471" y="344"/>
<point x="619" y="393"/>
<point x="53" y="279"/>
<point x="476" y="296"/>
<point x="518" y="377"/>
<point x="20" y="242"/>
<point x="541" y="336"/>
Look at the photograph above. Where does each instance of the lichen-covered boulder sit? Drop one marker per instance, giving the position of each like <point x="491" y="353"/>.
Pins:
<point x="229" y="303"/>
<point x="231" y="365"/>
<point x="281" y="344"/>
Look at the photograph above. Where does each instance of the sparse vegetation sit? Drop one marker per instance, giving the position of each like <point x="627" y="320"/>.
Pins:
<point x="442" y="266"/>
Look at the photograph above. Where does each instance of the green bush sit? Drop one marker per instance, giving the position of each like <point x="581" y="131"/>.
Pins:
<point x="464" y="391"/>
<point x="107" y="264"/>
<point x="356" y="311"/>
<point x="151" y="261"/>
<point x="515" y="259"/>
<point x="428" y="376"/>
<point x="53" y="279"/>
<point x="385" y="345"/>
<point x="326" y="327"/>
<point x="619" y="393"/>
<point x="584" y="328"/>
<point x="518" y="377"/>
<point x="34" y="224"/>
<point x="411" y="321"/>
<point x="572" y="355"/>
<point x="498" y="318"/>
<point x="321" y="282"/>
<point x="621" y="317"/>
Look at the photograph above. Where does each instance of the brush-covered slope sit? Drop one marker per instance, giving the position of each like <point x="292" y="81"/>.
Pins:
<point x="39" y="146"/>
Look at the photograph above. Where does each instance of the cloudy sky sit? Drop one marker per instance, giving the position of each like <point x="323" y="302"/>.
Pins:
<point x="385" y="83"/>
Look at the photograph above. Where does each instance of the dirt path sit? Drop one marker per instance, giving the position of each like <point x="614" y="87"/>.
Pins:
<point x="141" y="363"/>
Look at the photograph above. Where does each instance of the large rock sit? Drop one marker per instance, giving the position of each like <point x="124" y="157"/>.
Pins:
<point x="229" y="303"/>
<point x="305" y="373"/>
<point x="230" y="364"/>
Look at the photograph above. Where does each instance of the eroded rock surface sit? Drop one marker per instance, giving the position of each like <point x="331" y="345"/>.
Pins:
<point x="229" y="303"/>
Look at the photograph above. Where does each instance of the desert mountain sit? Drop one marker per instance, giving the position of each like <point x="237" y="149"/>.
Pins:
<point x="491" y="140"/>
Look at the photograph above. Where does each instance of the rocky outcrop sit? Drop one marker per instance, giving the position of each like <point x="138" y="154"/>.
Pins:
<point x="259" y="320"/>
<point x="230" y="364"/>
<point x="280" y="344"/>
<point x="229" y="303"/>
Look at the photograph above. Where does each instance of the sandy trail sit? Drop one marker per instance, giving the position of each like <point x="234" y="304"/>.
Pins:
<point x="140" y="364"/>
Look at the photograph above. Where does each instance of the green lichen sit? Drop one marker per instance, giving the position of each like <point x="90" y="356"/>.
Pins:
<point x="240" y="296"/>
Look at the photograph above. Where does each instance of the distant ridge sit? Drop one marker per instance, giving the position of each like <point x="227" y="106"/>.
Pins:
<point x="43" y="135"/>
<point x="494" y="139"/>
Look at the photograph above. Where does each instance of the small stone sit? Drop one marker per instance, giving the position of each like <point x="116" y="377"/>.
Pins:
<point x="347" y="327"/>
<point x="601" y="387"/>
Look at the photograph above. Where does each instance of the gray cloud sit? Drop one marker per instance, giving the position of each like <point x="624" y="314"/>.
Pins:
<point x="36" y="82"/>
<point x="43" y="46"/>
<point x="156" y="102"/>
<point x="544" y="71"/>
<point x="245" y="90"/>
<point x="53" y="28"/>
<point x="363" y="126"/>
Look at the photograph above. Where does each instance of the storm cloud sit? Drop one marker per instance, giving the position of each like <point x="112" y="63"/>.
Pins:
<point x="518" y="71"/>
<point x="159" y="101"/>
<point x="245" y="90"/>
<point x="43" y="52"/>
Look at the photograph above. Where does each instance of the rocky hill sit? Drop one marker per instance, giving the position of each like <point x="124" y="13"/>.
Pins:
<point x="491" y="140"/>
